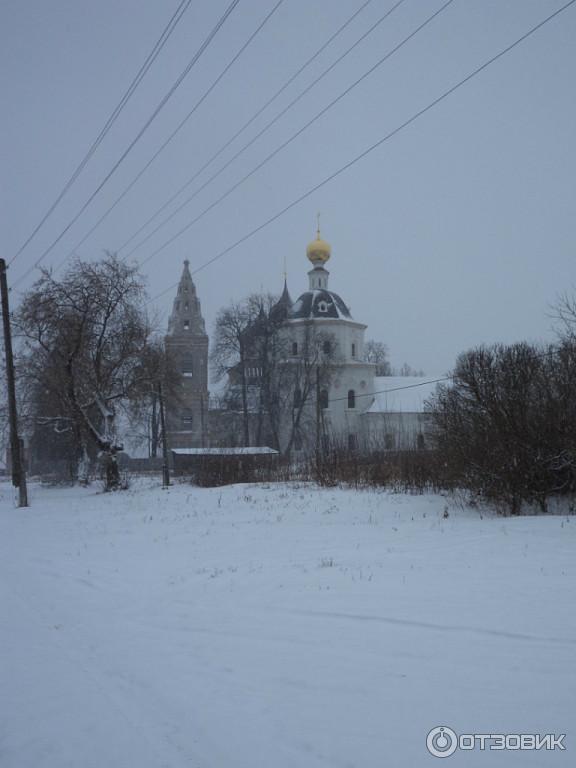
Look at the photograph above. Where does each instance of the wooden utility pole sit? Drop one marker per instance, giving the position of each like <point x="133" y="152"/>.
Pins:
<point x="318" y="418"/>
<point x="18" y="470"/>
<point x="165" y="466"/>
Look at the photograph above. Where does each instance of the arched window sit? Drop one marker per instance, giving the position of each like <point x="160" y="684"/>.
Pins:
<point x="187" y="366"/>
<point x="294" y="347"/>
<point x="353" y="350"/>
<point x="186" y="325"/>
<point x="324" y="399"/>
<point x="351" y="398"/>
<point x="297" y="397"/>
<point x="326" y="347"/>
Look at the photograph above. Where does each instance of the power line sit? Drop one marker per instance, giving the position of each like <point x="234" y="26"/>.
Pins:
<point x="174" y="132"/>
<point x="144" y="128"/>
<point x="374" y="146"/>
<point x="537" y="356"/>
<point x="160" y="43"/>
<point x="392" y="389"/>
<point x="266" y="128"/>
<point x="248" y="122"/>
<point x="288" y="141"/>
<point x="451" y="377"/>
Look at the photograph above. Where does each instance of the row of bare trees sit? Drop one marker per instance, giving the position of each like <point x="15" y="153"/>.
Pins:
<point x="276" y="388"/>
<point x="87" y="354"/>
<point x="506" y="426"/>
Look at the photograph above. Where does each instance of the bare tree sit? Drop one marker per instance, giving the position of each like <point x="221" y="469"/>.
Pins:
<point x="407" y="370"/>
<point x="302" y="385"/>
<point x="505" y="427"/>
<point x="564" y="314"/>
<point x="83" y="337"/>
<point x="252" y="345"/>
<point x="157" y="367"/>
<point x="377" y="353"/>
<point x="231" y="350"/>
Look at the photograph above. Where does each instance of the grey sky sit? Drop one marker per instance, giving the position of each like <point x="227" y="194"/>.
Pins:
<point x="458" y="231"/>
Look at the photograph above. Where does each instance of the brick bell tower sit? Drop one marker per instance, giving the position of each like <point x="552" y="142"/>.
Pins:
<point x="186" y="340"/>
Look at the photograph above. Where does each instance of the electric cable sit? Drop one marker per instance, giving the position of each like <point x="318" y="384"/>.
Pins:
<point x="439" y="99"/>
<point x="160" y="43"/>
<point x="282" y="146"/>
<point x="172" y="135"/>
<point x="139" y="135"/>
<point x="249" y="122"/>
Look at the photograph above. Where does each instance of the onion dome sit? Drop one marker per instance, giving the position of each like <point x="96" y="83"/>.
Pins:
<point x="318" y="251"/>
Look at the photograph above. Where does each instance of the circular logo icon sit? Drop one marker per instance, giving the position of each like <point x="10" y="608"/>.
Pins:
<point x="442" y="741"/>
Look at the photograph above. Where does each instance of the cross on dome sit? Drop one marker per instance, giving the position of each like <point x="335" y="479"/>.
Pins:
<point x="318" y="251"/>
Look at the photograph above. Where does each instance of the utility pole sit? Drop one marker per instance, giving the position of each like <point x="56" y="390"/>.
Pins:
<point x="18" y="470"/>
<point x="318" y="417"/>
<point x="165" y="467"/>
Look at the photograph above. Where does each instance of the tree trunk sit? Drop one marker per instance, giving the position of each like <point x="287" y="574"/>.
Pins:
<point x="154" y="428"/>
<point x="245" y="414"/>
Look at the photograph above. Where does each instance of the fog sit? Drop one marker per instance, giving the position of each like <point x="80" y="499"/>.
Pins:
<point x="455" y="232"/>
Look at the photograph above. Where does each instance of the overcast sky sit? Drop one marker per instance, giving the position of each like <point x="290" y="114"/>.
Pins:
<point x="458" y="231"/>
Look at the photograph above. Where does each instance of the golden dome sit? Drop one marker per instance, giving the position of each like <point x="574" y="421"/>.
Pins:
<point x="318" y="251"/>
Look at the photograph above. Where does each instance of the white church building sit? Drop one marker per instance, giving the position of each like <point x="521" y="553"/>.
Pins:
<point x="351" y="403"/>
<point x="357" y="407"/>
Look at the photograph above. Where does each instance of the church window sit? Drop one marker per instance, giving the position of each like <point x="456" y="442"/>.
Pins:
<point x="297" y="397"/>
<point x="324" y="399"/>
<point x="352" y="442"/>
<point x="186" y="325"/>
<point x="351" y="398"/>
<point x="323" y="307"/>
<point x="326" y="347"/>
<point x="294" y="347"/>
<point x="353" y="350"/>
<point x="390" y="441"/>
<point x="187" y="366"/>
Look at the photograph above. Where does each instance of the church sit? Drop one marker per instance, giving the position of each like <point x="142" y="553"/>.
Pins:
<point x="320" y="388"/>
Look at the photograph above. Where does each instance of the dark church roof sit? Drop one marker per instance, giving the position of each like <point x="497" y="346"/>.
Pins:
<point x="281" y="309"/>
<point x="317" y="304"/>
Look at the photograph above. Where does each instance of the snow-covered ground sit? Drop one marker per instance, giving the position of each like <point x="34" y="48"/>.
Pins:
<point x="278" y="627"/>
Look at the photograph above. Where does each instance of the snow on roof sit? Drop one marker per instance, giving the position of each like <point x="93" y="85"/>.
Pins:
<point x="410" y="399"/>
<point x="252" y="451"/>
<point x="319" y="303"/>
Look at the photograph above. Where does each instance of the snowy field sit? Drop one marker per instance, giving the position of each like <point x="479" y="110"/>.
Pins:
<point x="278" y="627"/>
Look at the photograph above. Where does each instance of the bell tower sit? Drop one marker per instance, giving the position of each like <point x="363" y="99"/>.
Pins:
<point x="187" y="342"/>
